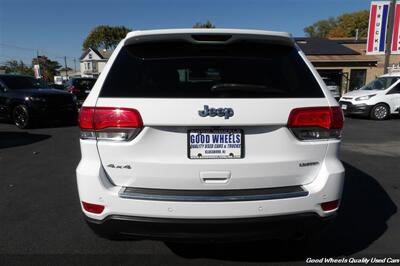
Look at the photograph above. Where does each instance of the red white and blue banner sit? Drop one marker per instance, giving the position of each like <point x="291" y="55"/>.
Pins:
<point x="396" y="30"/>
<point x="36" y="70"/>
<point x="378" y="19"/>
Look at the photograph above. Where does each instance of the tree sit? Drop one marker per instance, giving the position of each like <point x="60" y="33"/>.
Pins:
<point x="48" y="68"/>
<point x="321" y="28"/>
<point x="13" y="66"/>
<point x="105" y="37"/>
<point x="345" y="25"/>
<point x="207" y="25"/>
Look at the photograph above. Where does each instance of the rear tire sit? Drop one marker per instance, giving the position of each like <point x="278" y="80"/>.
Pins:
<point x="380" y="112"/>
<point x="21" y="117"/>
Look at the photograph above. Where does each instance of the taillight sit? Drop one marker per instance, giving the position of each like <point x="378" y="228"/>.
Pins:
<point x="74" y="89"/>
<point x="93" y="208"/>
<point x="109" y="123"/>
<point x="330" y="205"/>
<point x="310" y="123"/>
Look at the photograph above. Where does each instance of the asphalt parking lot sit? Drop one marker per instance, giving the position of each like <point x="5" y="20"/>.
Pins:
<point x="41" y="216"/>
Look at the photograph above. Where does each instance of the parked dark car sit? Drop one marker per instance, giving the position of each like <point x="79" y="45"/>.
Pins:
<point x="56" y="86"/>
<point x="80" y="87"/>
<point x="26" y="100"/>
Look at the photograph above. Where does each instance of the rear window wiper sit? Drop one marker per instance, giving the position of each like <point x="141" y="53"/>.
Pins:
<point x="241" y="87"/>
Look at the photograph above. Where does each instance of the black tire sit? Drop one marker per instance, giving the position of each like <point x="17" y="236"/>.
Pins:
<point x="20" y="116"/>
<point x="380" y="112"/>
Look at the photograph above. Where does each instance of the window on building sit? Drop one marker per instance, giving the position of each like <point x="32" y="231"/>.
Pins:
<point x="90" y="56"/>
<point x="88" y="65"/>
<point x="357" y="78"/>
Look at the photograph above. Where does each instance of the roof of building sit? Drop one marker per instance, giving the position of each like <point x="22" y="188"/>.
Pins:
<point x="342" y="58"/>
<point x="322" y="46"/>
<point x="349" y="40"/>
<point x="103" y="54"/>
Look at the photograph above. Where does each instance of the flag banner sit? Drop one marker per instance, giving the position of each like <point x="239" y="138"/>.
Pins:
<point x="396" y="34"/>
<point x="36" y="70"/>
<point x="378" y="18"/>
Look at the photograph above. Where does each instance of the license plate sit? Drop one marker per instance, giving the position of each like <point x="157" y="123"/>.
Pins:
<point x="215" y="144"/>
<point x="87" y="91"/>
<point x="344" y="106"/>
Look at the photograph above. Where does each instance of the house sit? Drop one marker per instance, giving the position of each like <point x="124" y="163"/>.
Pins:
<point x="343" y="63"/>
<point x="92" y="62"/>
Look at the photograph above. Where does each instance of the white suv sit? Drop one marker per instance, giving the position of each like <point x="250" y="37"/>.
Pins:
<point x="378" y="99"/>
<point x="209" y="133"/>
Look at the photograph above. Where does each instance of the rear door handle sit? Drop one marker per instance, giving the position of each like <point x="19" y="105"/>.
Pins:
<point x="215" y="177"/>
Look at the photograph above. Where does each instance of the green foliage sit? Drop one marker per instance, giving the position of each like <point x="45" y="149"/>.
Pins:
<point x="207" y="25"/>
<point x="48" y="68"/>
<point x="105" y="37"/>
<point x="13" y="66"/>
<point x="321" y="28"/>
<point x="341" y="26"/>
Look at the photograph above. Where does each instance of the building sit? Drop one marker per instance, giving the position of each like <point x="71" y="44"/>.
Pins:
<point x="361" y="45"/>
<point x="348" y="67"/>
<point x="344" y="60"/>
<point x="92" y="62"/>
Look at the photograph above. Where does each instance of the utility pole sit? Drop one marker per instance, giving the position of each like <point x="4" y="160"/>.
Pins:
<point x="75" y="65"/>
<point x="65" y="65"/>
<point x="389" y="36"/>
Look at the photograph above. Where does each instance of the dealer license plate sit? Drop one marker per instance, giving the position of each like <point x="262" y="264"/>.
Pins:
<point x="215" y="144"/>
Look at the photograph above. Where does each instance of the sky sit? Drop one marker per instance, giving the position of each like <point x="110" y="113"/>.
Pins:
<point x="57" y="28"/>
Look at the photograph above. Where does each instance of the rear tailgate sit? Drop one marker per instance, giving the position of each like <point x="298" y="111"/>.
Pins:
<point x="158" y="156"/>
<point x="170" y="81"/>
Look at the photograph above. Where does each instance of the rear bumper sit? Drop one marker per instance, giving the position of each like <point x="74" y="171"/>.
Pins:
<point x="284" y="226"/>
<point x="356" y="109"/>
<point x="95" y="187"/>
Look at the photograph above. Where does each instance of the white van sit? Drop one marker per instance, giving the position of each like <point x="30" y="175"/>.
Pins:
<point x="378" y="99"/>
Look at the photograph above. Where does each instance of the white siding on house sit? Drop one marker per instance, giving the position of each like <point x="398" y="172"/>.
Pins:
<point x="92" y="64"/>
<point x="101" y="65"/>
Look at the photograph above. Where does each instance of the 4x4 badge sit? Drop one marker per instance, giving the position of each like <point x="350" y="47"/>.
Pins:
<point x="221" y="112"/>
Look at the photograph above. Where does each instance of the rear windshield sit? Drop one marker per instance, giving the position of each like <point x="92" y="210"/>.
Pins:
<point x="84" y="83"/>
<point x="329" y="82"/>
<point x="185" y="70"/>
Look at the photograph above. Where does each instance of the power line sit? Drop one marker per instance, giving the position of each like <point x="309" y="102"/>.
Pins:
<point x="17" y="47"/>
<point x="56" y="55"/>
<point x="16" y="57"/>
<point x="35" y="54"/>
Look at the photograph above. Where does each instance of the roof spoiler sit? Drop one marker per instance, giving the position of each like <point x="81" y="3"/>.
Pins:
<point x="212" y="36"/>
